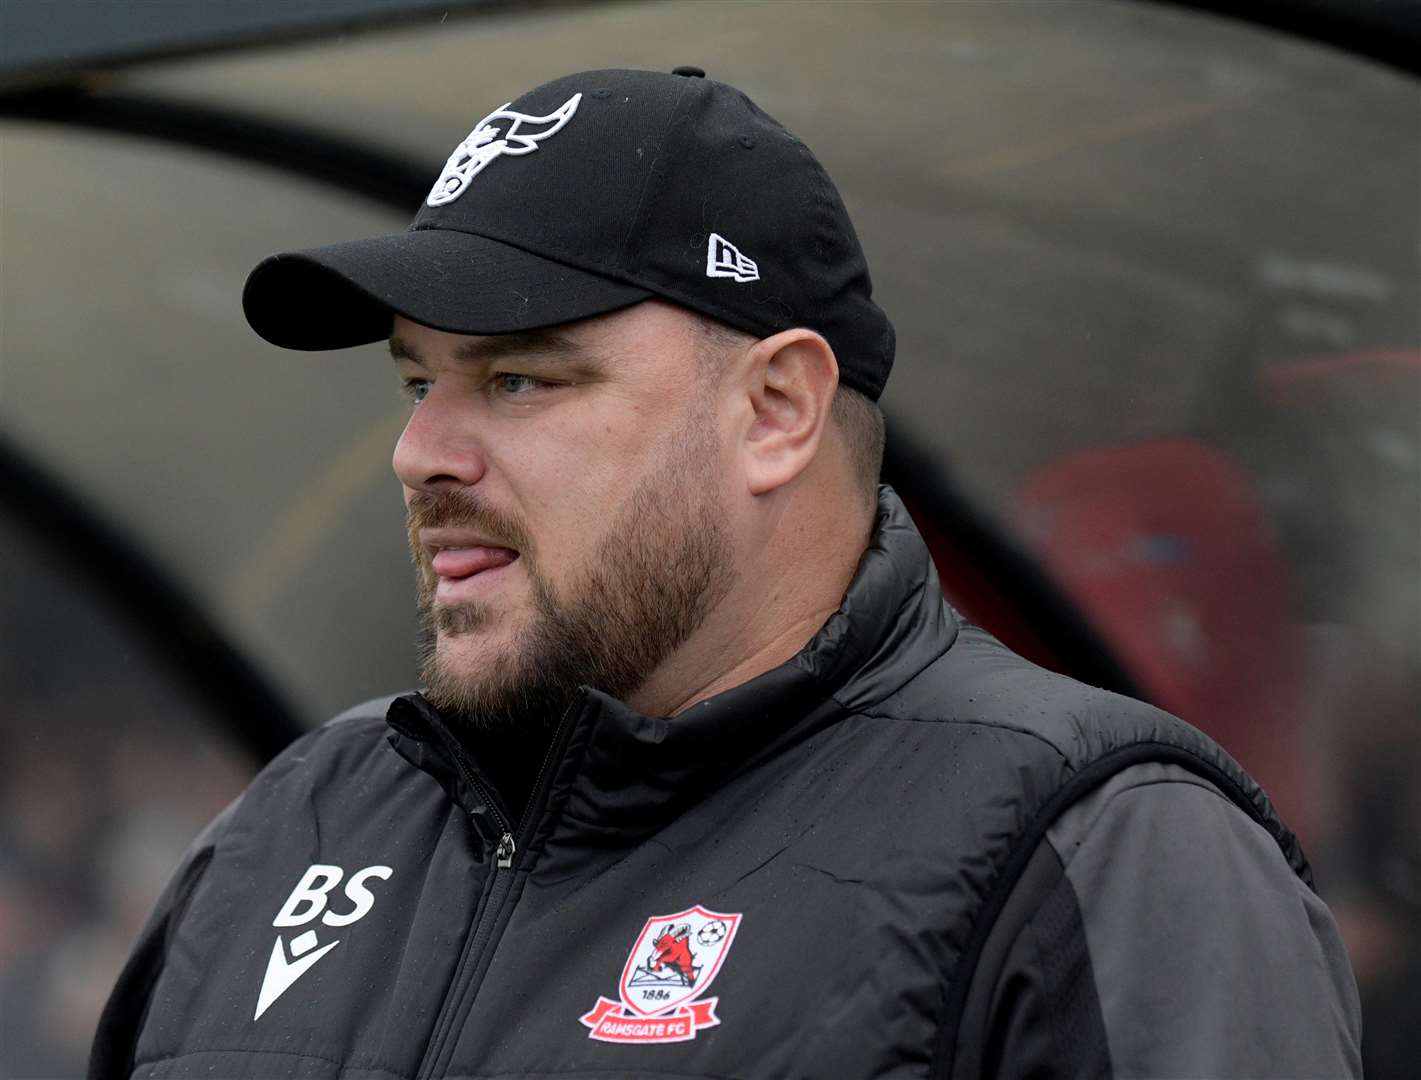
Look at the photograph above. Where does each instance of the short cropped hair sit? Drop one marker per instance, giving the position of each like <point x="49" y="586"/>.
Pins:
<point x="858" y="419"/>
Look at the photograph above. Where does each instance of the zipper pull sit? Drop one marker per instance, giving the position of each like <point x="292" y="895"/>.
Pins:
<point x="504" y="855"/>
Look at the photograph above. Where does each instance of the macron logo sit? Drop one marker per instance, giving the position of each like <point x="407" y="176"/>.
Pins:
<point x="306" y="902"/>
<point x="280" y="973"/>
<point x="723" y="259"/>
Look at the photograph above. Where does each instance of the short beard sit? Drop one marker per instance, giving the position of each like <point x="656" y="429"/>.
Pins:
<point x="663" y="566"/>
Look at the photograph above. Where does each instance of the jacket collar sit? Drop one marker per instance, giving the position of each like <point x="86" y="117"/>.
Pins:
<point x="622" y="774"/>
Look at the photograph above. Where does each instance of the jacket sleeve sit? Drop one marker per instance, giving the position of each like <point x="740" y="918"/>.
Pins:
<point x="1159" y="932"/>
<point x="112" y="1055"/>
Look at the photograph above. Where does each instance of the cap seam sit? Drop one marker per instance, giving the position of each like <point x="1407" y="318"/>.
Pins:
<point x="651" y="171"/>
<point x="823" y="226"/>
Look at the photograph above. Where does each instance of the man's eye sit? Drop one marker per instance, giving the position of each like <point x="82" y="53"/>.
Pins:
<point x="514" y="383"/>
<point x="416" y="389"/>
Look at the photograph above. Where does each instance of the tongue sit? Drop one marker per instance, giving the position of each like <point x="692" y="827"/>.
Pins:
<point x="465" y="562"/>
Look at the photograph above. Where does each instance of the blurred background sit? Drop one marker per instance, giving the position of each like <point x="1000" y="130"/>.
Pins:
<point x="1157" y="403"/>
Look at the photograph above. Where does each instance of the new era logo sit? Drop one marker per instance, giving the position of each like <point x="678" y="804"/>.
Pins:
<point x="723" y="259"/>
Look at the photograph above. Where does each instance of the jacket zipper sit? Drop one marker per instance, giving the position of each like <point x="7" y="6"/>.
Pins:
<point x="502" y="884"/>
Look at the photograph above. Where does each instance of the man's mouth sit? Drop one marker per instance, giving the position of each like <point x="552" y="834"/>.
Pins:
<point x="458" y="563"/>
<point x="465" y="567"/>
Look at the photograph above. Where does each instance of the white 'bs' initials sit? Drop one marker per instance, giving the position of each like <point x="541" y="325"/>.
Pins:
<point x="307" y="901"/>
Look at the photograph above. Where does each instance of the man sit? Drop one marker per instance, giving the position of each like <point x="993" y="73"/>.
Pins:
<point x="706" y="779"/>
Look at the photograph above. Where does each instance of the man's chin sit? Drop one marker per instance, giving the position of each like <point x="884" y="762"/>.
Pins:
<point x="490" y="679"/>
<point x="464" y="652"/>
<point x="460" y="669"/>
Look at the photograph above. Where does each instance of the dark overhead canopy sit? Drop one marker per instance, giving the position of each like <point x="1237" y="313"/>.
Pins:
<point x="51" y="40"/>
<point x="1385" y="30"/>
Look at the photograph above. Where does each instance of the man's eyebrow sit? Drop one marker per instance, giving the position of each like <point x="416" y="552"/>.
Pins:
<point x="539" y="343"/>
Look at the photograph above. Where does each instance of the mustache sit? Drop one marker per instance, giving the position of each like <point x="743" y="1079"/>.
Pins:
<point x="463" y="509"/>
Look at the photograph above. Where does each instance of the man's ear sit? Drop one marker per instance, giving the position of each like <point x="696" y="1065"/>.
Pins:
<point x="791" y="379"/>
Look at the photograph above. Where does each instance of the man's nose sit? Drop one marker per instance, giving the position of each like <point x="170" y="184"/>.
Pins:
<point x="438" y="447"/>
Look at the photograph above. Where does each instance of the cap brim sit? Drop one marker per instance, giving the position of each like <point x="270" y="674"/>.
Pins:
<point x="346" y="294"/>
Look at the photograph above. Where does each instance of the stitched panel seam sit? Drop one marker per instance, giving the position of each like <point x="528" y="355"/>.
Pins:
<point x="974" y="723"/>
<point x="247" y="1051"/>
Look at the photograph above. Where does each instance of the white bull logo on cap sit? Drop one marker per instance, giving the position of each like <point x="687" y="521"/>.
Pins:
<point x="487" y="142"/>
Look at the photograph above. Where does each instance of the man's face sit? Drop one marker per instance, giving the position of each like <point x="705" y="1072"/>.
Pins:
<point x="564" y="506"/>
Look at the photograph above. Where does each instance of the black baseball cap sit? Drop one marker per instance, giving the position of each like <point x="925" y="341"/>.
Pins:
<point x="588" y="194"/>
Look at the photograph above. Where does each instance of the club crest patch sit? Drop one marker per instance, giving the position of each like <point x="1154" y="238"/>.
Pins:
<point x="672" y="964"/>
<point x="501" y="133"/>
